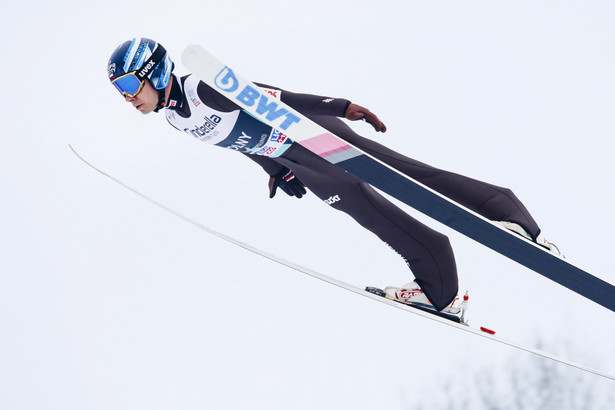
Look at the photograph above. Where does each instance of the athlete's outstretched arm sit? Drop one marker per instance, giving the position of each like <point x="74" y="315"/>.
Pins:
<point x="321" y="105"/>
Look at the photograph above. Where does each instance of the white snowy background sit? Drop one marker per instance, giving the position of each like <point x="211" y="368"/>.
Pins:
<point x="107" y="302"/>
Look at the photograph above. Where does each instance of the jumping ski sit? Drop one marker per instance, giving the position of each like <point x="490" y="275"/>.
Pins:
<point x="370" y="292"/>
<point x="301" y="130"/>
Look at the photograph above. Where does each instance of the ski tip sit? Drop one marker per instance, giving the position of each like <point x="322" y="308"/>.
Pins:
<point x="191" y="51"/>
<point x="484" y="329"/>
<point x="192" y="47"/>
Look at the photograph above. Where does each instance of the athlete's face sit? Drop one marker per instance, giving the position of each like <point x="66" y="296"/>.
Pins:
<point x="146" y="100"/>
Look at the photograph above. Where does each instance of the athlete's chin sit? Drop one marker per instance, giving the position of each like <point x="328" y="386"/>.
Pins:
<point x="144" y="109"/>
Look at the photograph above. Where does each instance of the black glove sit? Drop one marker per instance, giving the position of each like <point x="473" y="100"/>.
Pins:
<point x="288" y="182"/>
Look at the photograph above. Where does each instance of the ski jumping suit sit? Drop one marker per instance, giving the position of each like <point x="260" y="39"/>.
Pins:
<point x="202" y="112"/>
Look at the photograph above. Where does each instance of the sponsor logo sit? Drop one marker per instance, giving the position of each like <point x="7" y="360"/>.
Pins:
<point x="249" y="96"/>
<point x="407" y="295"/>
<point x="327" y="100"/>
<point x="275" y="93"/>
<point x="241" y="142"/>
<point x="144" y="71"/>
<point x="266" y="150"/>
<point x="278" y="137"/>
<point x="226" y="80"/>
<point x="332" y="199"/>
<point x="207" y="130"/>
<point x="142" y="48"/>
<point x="111" y="70"/>
<point x="262" y="141"/>
<point x="193" y="98"/>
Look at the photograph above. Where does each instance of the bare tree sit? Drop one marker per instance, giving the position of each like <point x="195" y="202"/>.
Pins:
<point x="524" y="382"/>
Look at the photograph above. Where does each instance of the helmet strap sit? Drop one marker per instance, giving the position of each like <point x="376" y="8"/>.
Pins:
<point x="161" y="100"/>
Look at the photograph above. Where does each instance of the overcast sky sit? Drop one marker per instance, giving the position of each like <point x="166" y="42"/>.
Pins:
<point x="107" y="302"/>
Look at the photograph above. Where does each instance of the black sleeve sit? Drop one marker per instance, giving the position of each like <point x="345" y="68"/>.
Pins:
<point x="304" y="103"/>
<point x="269" y="165"/>
<point x="312" y="104"/>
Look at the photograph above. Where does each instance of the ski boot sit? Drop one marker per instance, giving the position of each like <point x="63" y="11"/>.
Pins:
<point x="412" y="294"/>
<point x="540" y="240"/>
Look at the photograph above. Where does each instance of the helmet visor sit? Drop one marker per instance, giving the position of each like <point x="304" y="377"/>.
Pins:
<point x="128" y="84"/>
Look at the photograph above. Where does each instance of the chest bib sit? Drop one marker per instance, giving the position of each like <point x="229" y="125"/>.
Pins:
<point x="235" y="130"/>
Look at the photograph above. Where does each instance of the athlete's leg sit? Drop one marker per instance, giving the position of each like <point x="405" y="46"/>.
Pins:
<point x="427" y="252"/>
<point x="491" y="201"/>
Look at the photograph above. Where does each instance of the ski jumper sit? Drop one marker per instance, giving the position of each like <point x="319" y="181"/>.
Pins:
<point x="203" y="113"/>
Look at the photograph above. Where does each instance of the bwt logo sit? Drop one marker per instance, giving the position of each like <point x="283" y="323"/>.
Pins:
<point x="227" y="81"/>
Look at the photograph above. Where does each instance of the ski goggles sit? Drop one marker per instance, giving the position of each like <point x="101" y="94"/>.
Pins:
<point x="130" y="84"/>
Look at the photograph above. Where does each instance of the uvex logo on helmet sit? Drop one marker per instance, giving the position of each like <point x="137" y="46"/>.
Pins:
<point x="144" y="71"/>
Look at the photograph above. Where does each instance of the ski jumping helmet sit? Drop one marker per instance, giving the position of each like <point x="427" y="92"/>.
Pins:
<point x="135" y="61"/>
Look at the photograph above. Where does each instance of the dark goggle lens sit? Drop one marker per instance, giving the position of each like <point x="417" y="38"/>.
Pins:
<point x="128" y="85"/>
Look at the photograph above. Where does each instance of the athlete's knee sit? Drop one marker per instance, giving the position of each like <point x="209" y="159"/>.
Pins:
<point x="441" y="244"/>
<point x="502" y="200"/>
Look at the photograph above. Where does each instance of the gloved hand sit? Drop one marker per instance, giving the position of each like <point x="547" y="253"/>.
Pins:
<point x="356" y="112"/>
<point x="288" y="182"/>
